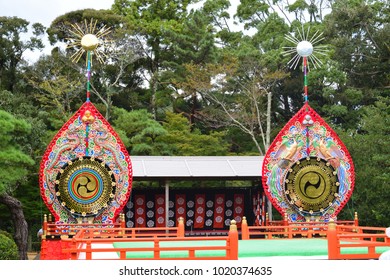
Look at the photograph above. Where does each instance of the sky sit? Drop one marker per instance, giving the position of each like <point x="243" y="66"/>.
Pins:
<point x="45" y="11"/>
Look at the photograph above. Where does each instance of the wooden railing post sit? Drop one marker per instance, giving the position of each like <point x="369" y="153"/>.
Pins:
<point x="88" y="253"/>
<point x="122" y="223"/>
<point x="156" y="247"/>
<point x="310" y="228"/>
<point x="356" y="220"/>
<point x="310" y="232"/>
<point x="286" y="227"/>
<point x="244" y="229"/>
<point x="180" y="227"/>
<point x="122" y="255"/>
<point x="290" y="231"/>
<point x="333" y="248"/>
<point x="233" y="241"/>
<point x="285" y="219"/>
<point x="44" y="226"/>
<point x="73" y="250"/>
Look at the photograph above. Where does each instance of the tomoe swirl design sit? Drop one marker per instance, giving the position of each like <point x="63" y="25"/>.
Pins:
<point x="85" y="186"/>
<point x="311" y="185"/>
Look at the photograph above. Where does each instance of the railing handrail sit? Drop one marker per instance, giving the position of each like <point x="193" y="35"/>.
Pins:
<point x="362" y="228"/>
<point x="288" y="229"/>
<point x="338" y="238"/>
<point x="81" y="236"/>
<point x="284" y="231"/>
<point x="156" y="249"/>
<point x="72" y="229"/>
<point x="83" y="240"/>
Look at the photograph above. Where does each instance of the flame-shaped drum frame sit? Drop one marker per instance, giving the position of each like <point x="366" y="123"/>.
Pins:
<point x="308" y="172"/>
<point x="86" y="170"/>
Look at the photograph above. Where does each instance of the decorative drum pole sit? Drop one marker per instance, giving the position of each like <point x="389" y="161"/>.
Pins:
<point x="86" y="172"/>
<point x="307" y="173"/>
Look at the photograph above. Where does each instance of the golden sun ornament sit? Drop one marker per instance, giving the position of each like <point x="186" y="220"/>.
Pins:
<point x="87" y="38"/>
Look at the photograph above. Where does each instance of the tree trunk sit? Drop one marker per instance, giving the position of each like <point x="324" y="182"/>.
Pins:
<point x="19" y="222"/>
<point x="268" y="132"/>
<point x="154" y="97"/>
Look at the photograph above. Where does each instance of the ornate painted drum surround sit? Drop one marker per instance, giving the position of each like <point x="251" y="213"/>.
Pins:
<point x="86" y="170"/>
<point x="308" y="155"/>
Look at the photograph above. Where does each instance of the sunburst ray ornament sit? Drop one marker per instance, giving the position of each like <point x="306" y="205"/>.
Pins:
<point x="87" y="39"/>
<point x="307" y="171"/>
<point x="306" y="48"/>
<point x="86" y="171"/>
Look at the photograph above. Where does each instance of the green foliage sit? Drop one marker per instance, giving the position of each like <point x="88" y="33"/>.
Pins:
<point x="270" y="35"/>
<point x="32" y="143"/>
<point x="299" y="5"/>
<point x="369" y="148"/>
<point x="186" y="142"/>
<point x="141" y="130"/>
<point x="194" y="44"/>
<point x="14" y="161"/>
<point x="8" y="248"/>
<point x="154" y="22"/>
<point x="7" y="234"/>
<point x="174" y="137"/>
<point x="359" y="31"/>
<point x="251" y="12"/>
<point x="12" y="47"/>
<point x="60" y="96"/>
<point x="151" y="17"/>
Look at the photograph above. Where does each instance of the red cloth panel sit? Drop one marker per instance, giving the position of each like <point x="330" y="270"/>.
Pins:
<point x="219" y="211"/>
<point x="180" y="207"/>
<point x="238" y="208"/>
<point x="139" y="210"/>
<point x="160" y="210"/>
<point x="257" y="208"/>
<point x="200" y="207"/>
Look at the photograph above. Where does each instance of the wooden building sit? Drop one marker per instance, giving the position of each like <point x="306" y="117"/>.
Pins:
<point x="182" y="191"/>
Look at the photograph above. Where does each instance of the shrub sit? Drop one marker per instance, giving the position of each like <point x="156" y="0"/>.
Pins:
<point x="8" y="248"/>
<point x="6" y="233"/>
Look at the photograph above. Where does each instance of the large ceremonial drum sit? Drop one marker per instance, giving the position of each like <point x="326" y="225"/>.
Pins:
<point x="308" y="173"/>
<point x="86" y="171"/>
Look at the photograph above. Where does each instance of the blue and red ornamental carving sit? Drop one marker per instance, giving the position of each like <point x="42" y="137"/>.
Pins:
<point x="86" y="170"/>
<point x="307" y="171"/>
